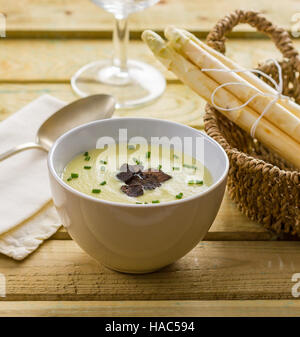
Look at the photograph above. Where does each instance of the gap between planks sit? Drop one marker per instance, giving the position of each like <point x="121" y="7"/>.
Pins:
<point x="107" y="35"/>
<point x="62" y="234"/>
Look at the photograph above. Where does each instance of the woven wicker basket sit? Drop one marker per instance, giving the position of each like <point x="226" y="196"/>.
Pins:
<point x="265" y="187"/>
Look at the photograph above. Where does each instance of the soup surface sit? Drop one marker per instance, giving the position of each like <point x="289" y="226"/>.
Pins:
<point x="153" y="175"/>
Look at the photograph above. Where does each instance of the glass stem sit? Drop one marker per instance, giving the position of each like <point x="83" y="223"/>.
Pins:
<point x="120" y="41"/>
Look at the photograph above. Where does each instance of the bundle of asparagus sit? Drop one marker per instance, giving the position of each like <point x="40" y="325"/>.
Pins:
<point x="209" y="74"/>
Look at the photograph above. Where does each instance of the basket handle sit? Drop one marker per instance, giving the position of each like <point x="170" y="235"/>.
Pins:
<point x="216" y="38"/>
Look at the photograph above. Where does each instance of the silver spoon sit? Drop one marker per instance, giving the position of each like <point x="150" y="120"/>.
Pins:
<point x="79" y="112"/>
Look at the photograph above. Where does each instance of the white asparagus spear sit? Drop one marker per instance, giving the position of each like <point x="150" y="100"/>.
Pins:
<point x="203" y="85"/>
<point x="248" y="76"/>
<point x="276" y="114"/>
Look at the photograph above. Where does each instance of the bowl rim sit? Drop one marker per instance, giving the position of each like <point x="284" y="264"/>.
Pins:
<point x="120" y="204"/>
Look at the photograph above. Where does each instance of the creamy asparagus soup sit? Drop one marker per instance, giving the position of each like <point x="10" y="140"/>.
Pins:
<point x="141" y="176"/>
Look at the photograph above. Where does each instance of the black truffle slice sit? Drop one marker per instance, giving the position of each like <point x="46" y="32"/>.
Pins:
<point x="127" y="172"/>
<point x="150" y="182"/>
<point x="135" y="180"/>
<point x="132" y="190"/>
<point x="125" y="176"/>
<point x="159" y="175"/>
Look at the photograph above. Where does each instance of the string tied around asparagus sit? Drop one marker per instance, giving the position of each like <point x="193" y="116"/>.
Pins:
<point x="276" y="96"/>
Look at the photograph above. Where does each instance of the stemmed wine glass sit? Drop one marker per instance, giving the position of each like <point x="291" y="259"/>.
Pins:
<point x="132" y="83"/>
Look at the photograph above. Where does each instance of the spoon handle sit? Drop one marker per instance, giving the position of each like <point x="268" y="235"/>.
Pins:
<point x="20" y="148"/>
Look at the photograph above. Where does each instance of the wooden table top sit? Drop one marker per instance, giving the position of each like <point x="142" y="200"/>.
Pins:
<point x="239" y="269"/>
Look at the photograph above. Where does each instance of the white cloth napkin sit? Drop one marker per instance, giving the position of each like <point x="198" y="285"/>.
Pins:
<point x="27" y="215"/>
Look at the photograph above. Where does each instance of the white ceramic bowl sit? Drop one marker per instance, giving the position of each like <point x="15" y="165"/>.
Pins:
<point x="127" y="237"/>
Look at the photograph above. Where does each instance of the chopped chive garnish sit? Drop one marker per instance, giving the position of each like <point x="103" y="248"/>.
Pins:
<point x="190" y="166"/>
<point x="179" y="195"/>
<point x="139" y="203"/>
<point x="102" y="168"/>
<point x="131" y="147"/>
<point x="148" y="154"/>
<point x="136" y="161"/>
<point x="86" y="154"/>
<point x="69" y="179"/>
<point x="87" y="158"/>
<point x="175" y="168"/>
<point x="103" y="183"/>
<point x="155" y="201"/>
<point x="103" y="162"/>
<point x="96" y="191"/>
<point x="87" y="167"/>
<point x="145" y="202"/>
<point x="197" y="182"/>
<point x="159" y="167"/>
<point x="175" y="156"/>
<point x="74" y="175"/>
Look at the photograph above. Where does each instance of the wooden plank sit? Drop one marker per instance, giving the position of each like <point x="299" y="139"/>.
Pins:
<point x="229" y="225"/>
<point x="270" y="308"/>
<point x="57" y="60"/>
<point x="15" y="96"/>
<point x="60" y="270"/>
<point x="38" y="60"/>
<point x="81" y="18"/>
<point x="178" y="103"/>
